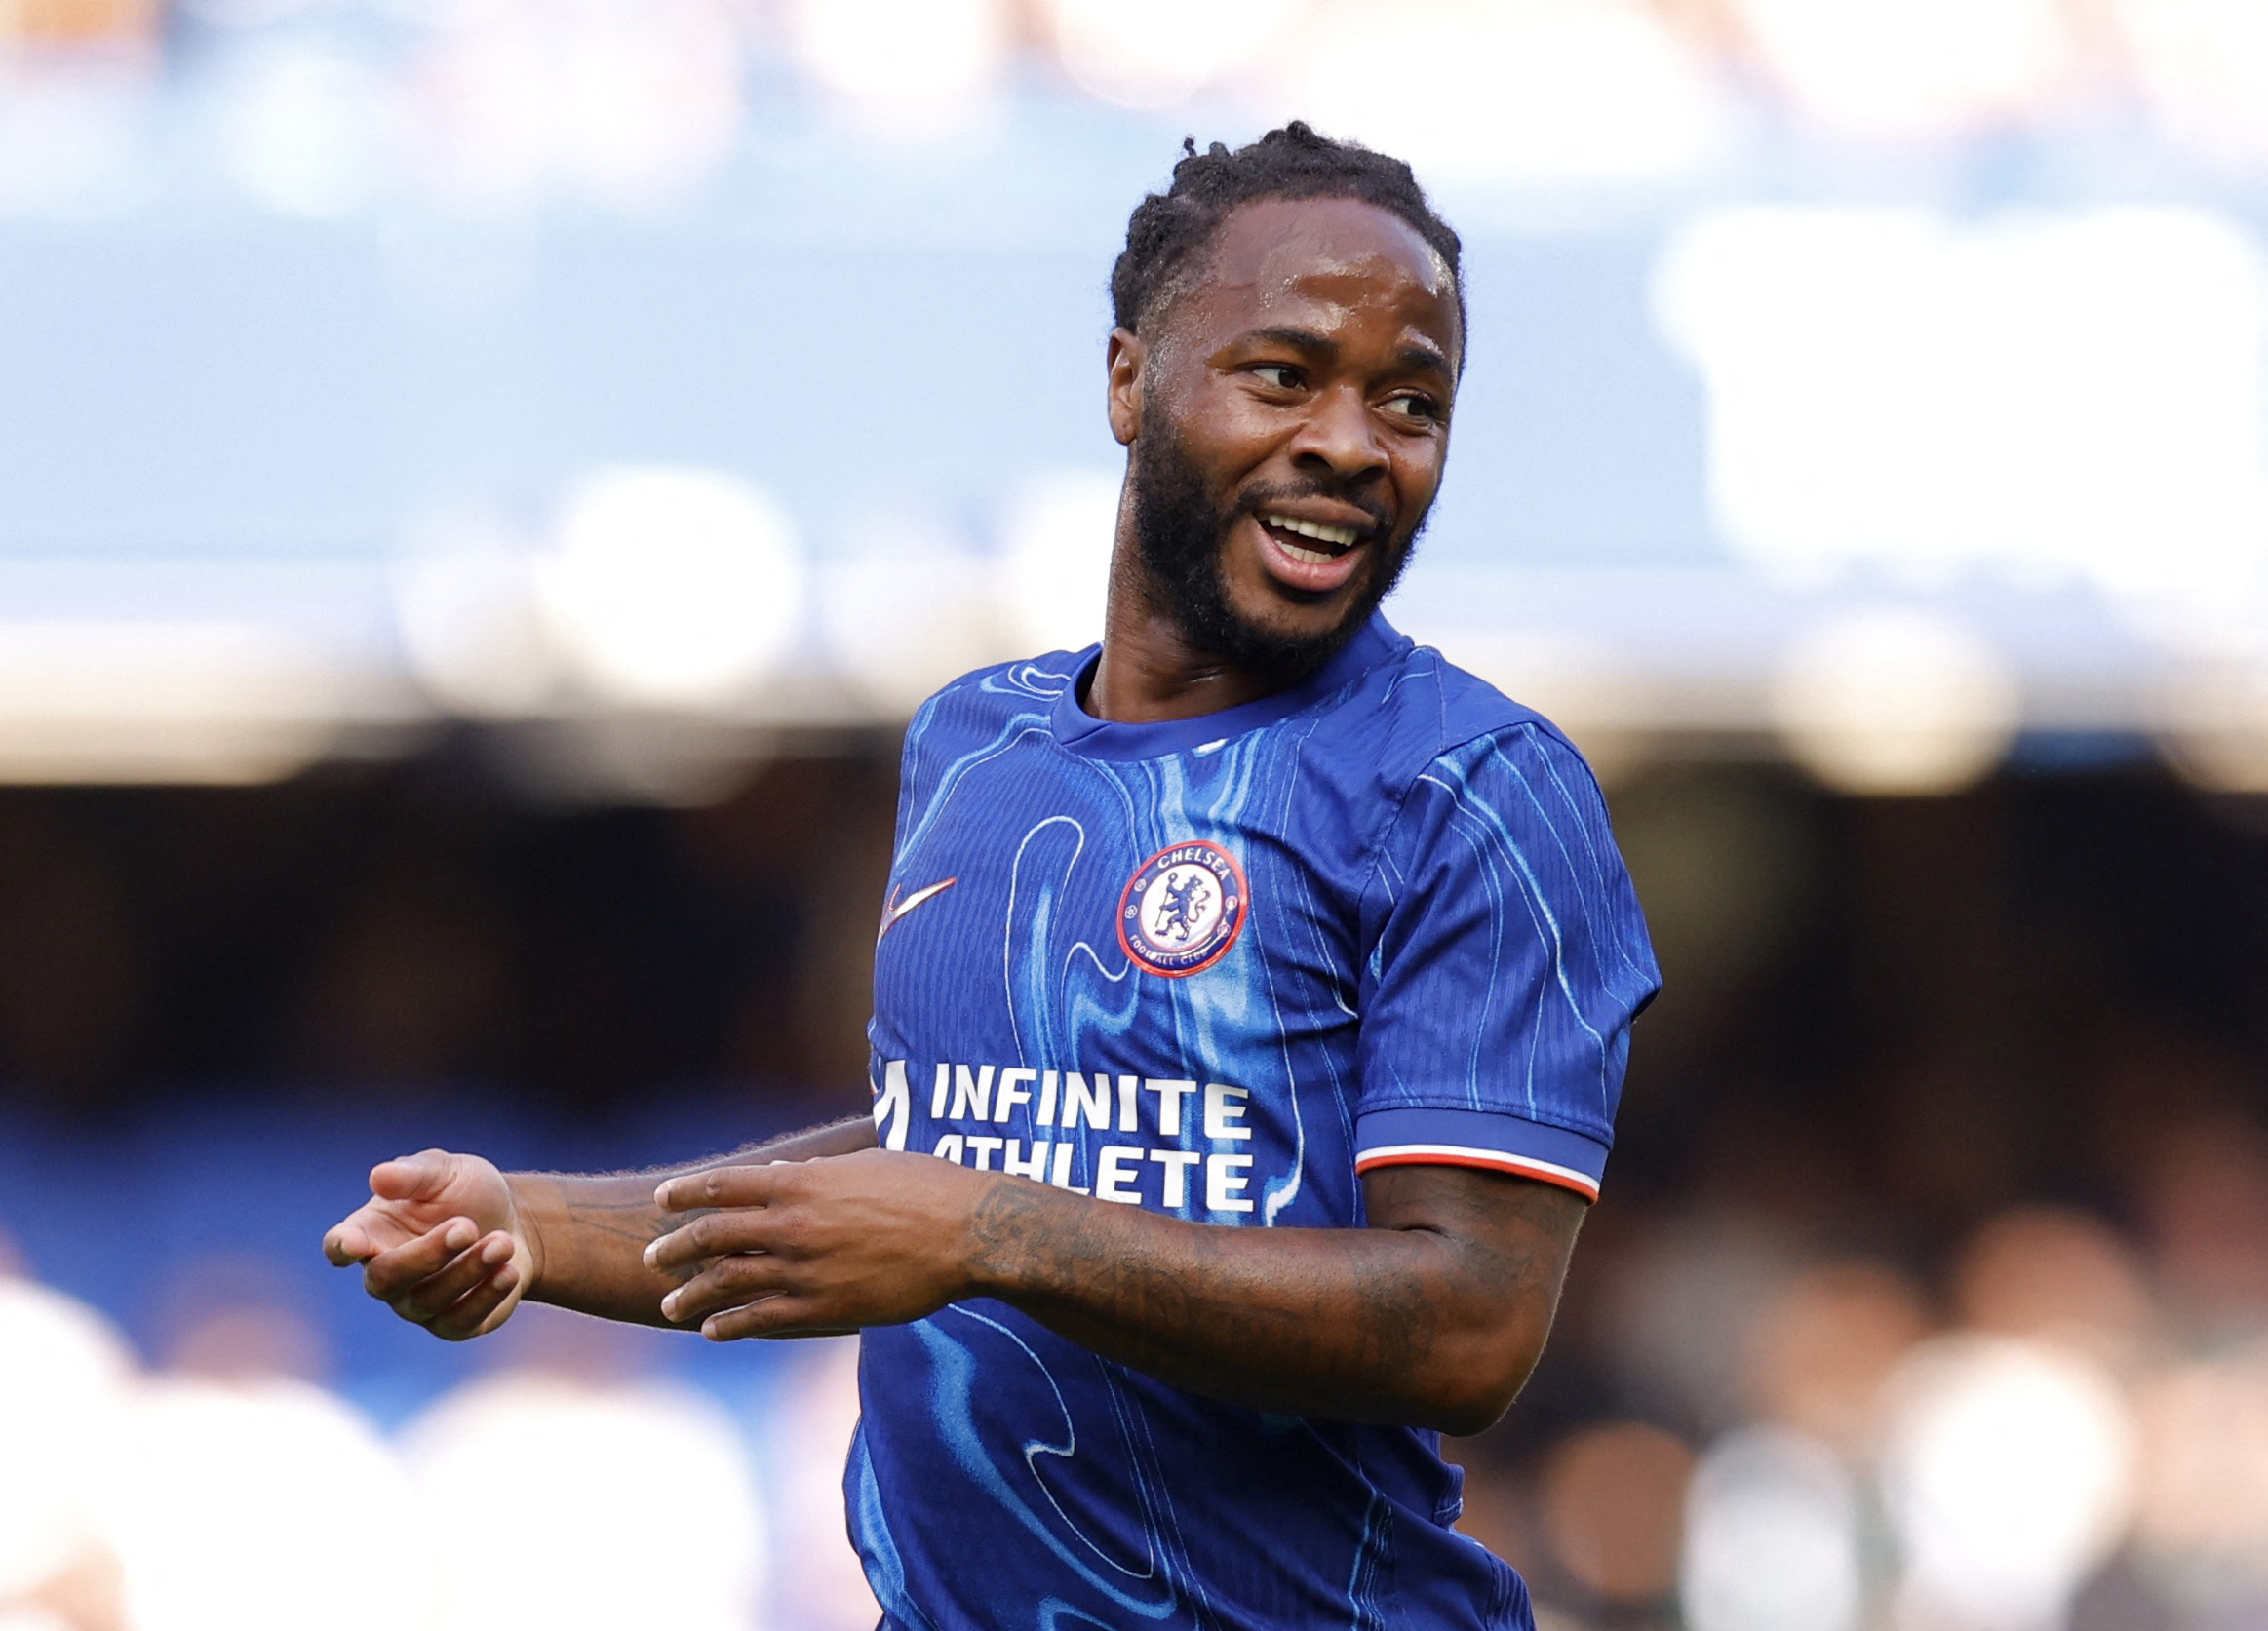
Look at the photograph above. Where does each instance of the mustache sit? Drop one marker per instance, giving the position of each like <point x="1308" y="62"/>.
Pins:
<point x="1256" y="499"/>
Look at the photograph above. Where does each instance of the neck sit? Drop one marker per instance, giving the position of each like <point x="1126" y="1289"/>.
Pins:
<point x="1149" y="670"/>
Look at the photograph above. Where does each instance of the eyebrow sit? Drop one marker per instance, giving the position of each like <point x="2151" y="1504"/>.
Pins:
<point x="1292" y="338"/>
<point x="1424" y="359"/>
<point x="1418" y="359"/>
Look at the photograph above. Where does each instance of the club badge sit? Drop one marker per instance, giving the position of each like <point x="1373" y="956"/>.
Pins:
<point x="1183" y="908"/>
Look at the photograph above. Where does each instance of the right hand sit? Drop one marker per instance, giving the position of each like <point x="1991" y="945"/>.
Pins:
<point x="440" y="1241"/>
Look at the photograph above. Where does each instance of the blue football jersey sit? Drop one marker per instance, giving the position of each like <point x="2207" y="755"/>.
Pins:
<point x="1219" y="967"/>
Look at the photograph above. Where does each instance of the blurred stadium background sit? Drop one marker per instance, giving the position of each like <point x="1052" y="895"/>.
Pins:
<point x="482" y="481"/>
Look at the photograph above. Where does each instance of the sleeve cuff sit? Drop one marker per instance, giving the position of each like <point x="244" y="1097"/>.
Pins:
<point x="1512" y="1143"/>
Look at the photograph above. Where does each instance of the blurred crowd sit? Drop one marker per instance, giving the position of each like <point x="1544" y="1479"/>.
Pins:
<point x="2068" y="1427"/>
<point x="1930" y="1291"/>
<point x="402" y="932"/>
<point x="324" y="107"/>
<point x="572" y="1483"/>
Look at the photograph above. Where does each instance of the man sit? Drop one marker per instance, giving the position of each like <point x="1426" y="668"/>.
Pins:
<point x="1263" y="983"/>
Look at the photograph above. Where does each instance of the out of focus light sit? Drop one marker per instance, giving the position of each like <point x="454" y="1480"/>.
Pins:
<point x="675" y="1519"/>
<point x="2205" y="65"/>
<point x="74" y="144"/>
<point x="2214" y="725"/>
<point x="2204" y="1510"/>
<point x="1613" y="1500"/>
<point x="1056" y="560"/>
<point x="468" y="601"/>
<point x="1822" y="1350"/>
<point x="902" y="65"/>
<point x="304" y="131"/>
<point x="1894" y="701"/>
<point x="1157" y="52"/>
<point x="673" y="588"/>
<point x="482" y="112"/>
<point x="84" y="24"/>
<point x="244" y="13"/>
<point x="2056" y="1274"/>
<point x="826" y="1590"/>
<point x="63" y="1380"/>
<point x="230" y="1322"/>
<point x="635" y="104"/>
<point x="2056" y="395"/>
<point x="34" y="1618"/>
<point x="160" y="702"/>
<point x="232" y="1503"/>
<point x="1518" y="91"/>
<point x="1771" y="1538"/>
<point x="2008" y="1474"/>
<point x="1584" y="687"/>
<point x="1682" y="1310"/>
<point x="651" y="93"/>
<point x="908" y="610"/>
<point x="1912" y="67"/>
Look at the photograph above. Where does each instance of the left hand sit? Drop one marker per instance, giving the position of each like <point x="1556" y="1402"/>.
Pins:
<point x="811" y="1248"/>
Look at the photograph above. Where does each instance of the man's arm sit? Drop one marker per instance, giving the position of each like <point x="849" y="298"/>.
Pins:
<point x="453" y="1244"/>
<point x="1431" y="1317"/>
<point x="594" y="1230"/>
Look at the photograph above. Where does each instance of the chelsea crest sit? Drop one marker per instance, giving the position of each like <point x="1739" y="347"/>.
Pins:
<point x="1183" y="908"/>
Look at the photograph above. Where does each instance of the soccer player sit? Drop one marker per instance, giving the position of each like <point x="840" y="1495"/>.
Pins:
<point x="1251" y="1006"/>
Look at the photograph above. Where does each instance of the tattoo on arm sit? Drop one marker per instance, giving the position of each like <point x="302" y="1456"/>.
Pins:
<point x="639" y="1221"/>
<point x="1379" y="1322"/>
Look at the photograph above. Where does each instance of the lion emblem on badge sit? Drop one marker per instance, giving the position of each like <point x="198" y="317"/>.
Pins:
<point x="1183" y="908"/>
<point x="1185" y="899"/>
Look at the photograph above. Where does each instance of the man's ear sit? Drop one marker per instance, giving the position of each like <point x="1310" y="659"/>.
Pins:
<point x="1125" y="358"/>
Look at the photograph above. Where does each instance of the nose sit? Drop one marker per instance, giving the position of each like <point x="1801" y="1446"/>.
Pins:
<point x="1340" y="435"/>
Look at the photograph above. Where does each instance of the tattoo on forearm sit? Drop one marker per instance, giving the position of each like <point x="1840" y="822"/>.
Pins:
<point x="1296" y="1321"/>
<point x="1080" y="1271"/>
<point x="636" y="1220"/>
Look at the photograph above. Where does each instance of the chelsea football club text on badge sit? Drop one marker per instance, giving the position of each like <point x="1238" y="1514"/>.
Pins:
<point x="1183" y="908"/>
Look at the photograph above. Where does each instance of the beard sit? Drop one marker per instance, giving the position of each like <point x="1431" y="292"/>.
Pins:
<point x="1183" y="535"/>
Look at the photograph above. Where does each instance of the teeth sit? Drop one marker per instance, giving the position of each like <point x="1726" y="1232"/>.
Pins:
<point x="1313" y="556"/>
<point x="1338" y="537"/>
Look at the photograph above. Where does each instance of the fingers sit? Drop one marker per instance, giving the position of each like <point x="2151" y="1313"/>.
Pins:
<point x="364" y="1233"/>
<point x="361" y="1236"/>
<point x="385" y="1222"/>
<point x="349" y="1241"/>
<point x="776" y="1317"/>
<point x="717" y="1235"/>
<point x="483" y="1308"/>
<point x="727" y="1283"/>
<point x="390" y="1274"/>
<point x="724" y="1187"/>
<point x="421" y="1177"/>
<point x="428" y="1299"/>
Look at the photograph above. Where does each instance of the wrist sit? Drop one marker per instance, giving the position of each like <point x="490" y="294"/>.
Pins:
<point x="532" y="1196"/>
<point x="1008" y="1221"/>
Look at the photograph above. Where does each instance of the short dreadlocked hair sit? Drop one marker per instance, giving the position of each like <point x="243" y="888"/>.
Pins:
<point x="1171" y="229"/>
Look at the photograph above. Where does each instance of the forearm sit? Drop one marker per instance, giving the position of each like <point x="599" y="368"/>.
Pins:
<point x="1407" y="1324"/>
<point x="588" y="1233"/>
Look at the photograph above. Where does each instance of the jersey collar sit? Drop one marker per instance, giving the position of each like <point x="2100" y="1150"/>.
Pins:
<point x="1375" y="642"/>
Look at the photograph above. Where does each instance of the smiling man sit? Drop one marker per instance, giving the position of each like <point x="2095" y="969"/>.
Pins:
<point x="1251" y="1006"/>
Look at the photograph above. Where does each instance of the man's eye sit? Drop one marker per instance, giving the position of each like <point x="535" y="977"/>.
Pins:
<point x="1411" y="405"/>
<point x="1278" y="375"/>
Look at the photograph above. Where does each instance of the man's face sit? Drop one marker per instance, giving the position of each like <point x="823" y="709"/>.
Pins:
<point x="1289" y="418"/>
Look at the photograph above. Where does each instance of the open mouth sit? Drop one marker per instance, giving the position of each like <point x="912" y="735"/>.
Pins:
<point x="1310" y="542"/>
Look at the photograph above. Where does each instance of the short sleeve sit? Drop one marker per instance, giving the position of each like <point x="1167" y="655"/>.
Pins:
<point x="1505" y="959"/>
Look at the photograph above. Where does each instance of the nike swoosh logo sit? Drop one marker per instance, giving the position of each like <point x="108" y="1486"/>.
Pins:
<point x="898" y="909"/>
